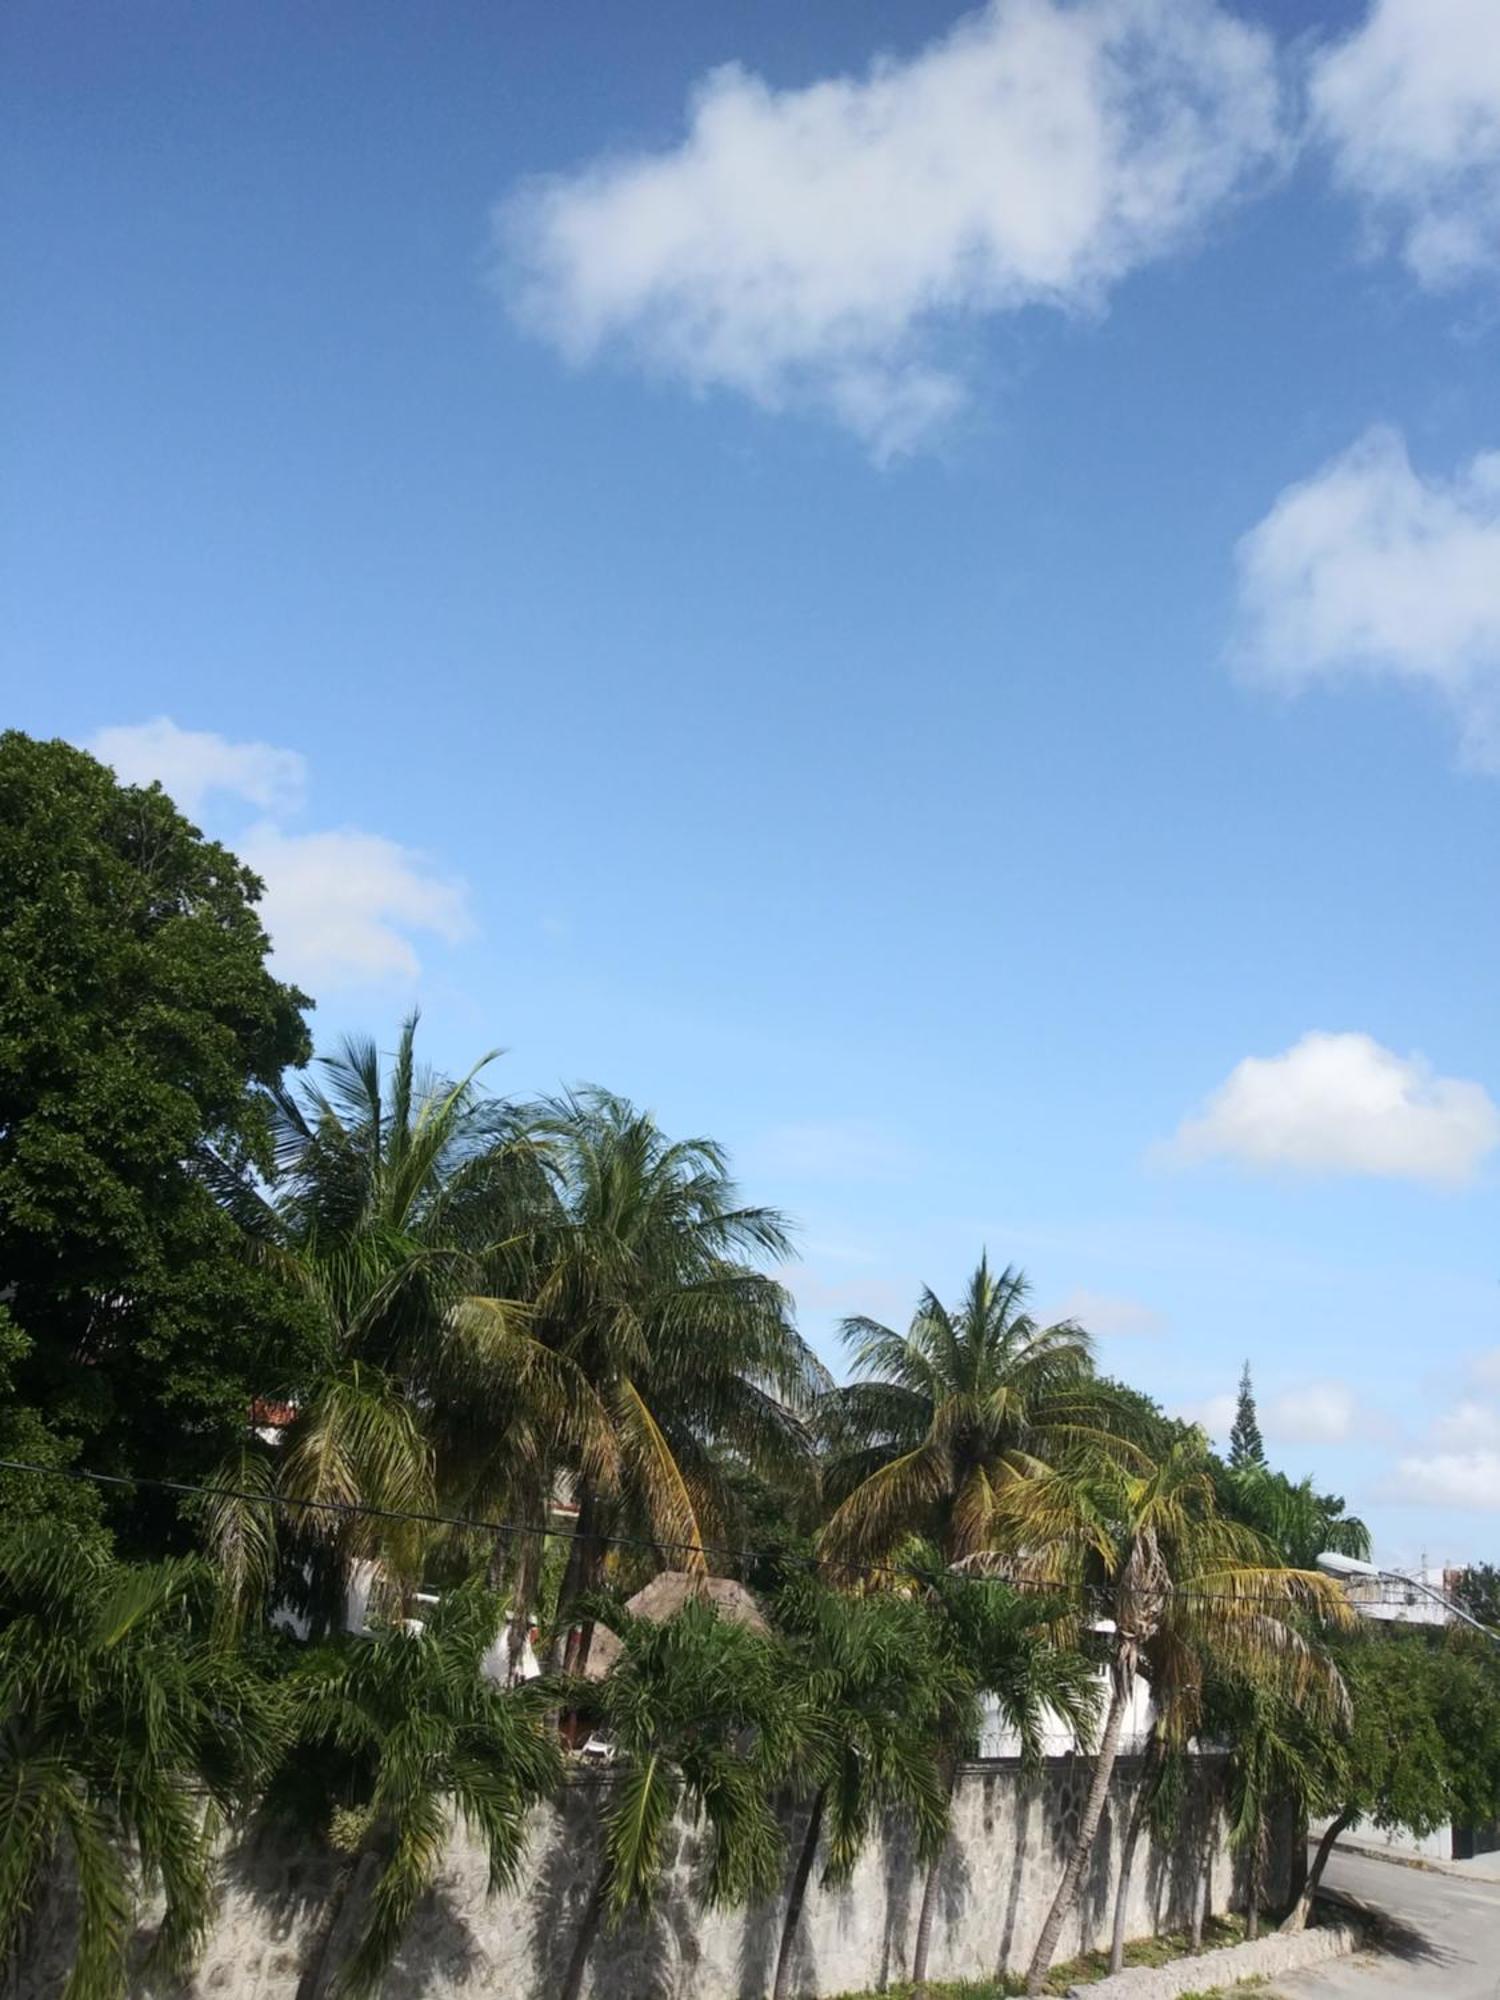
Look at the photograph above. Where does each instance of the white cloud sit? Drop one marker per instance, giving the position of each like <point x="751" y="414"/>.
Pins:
<point x="1314" y="1413"/>
<point x="339" y="905"/>
<point x="1109" y="1316"/>
<point x="817" y="246"/>
<point x="1213" y="1414"/>
<point x="1468" y="1423"/>
<point x="1368" y="569"/>
<point x="1410" y="104"/>
<point x="192" y="763"/>
<point x="1485" y="1368"/>
<point x="1469" y="1479"/>
<point x="1340" y="1103"/>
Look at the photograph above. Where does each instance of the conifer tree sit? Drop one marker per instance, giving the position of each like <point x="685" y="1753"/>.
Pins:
<point x="1246" y="1445"/>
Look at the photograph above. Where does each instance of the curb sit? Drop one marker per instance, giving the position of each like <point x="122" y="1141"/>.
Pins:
<point x="1460" y="1871"/>
<point x="1268" y="1956"/>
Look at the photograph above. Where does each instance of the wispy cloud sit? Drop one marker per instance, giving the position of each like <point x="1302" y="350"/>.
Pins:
<point x="1466" y="1479"/>
<point x="833" y="1149"/>
<point x="1410" y="105"/>
<point x="868" y="1298"/>
<point x="1368" y="569"/>
<point x="816" y="247"/>
<point x="340" y="905"/>
<point x="1213" y="1414"/>
<point x="1109" y="1316"/>
<point x="192" y="764"/>
<point x="1322" y="1412"/>
<point x="1342" y="1104"/>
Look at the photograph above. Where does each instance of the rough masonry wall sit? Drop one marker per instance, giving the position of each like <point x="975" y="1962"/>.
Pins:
<point x="1002" y="1866"/>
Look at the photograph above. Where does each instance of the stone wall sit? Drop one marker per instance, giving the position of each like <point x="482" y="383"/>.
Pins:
<point x="1001" y="1869"/>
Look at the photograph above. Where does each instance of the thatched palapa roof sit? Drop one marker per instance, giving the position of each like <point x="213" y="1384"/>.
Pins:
<point x="663" y="1597"/>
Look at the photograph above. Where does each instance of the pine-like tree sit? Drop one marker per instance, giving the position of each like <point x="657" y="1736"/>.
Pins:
<point x="1246" y="1445"/>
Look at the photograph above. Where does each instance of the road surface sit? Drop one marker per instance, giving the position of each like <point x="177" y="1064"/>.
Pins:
<point x="1443" y="1937"/>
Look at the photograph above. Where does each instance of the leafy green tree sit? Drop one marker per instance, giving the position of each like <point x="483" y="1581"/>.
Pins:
<point x="390" y="1741"/>
<point x="119" y="1720"/>
<point x="883" y="1694"/>
<point x="1478" y="1591"/>
<point x="643" y="1282"/>
<point x="1246" y="1445"/>
<point x="1012" y="1647"/>
<point x="27" y="1439"/>
<point x="1422" y="1746"/>
<point x="701" y="1722"/>
<point x="139" y="1033"/>
<point x="1149" y="1537"/>
<point x="947" y="1416"/>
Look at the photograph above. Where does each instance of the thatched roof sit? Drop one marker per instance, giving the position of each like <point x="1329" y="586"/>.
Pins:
<point x="663" y="1597"/>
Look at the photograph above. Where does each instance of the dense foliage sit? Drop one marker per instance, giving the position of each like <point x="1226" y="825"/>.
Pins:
<point x="139" y="1034"/>
<point x="370" y="1308"/>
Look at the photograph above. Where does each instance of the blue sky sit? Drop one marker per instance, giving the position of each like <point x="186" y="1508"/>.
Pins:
<point x="928" y="604"/>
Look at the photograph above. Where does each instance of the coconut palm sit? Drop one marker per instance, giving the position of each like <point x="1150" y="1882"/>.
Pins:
<point x="882" y="1691"/>
<point x="1013" y="1649"/>
<point x="397" y="1195"/>
<point x="126" y="1736"/>
<point x="644" y="1288"/>
<point x="393" y="1739"/>
<point x="1150" y="1539"/>
<point x="700" y="1723"/>
<point x="948" y="1415"/>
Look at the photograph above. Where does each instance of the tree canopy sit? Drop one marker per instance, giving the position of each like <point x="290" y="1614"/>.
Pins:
<point x="140" y="1032"/>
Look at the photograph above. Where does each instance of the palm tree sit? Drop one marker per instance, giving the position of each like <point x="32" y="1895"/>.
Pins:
<point x="948" y="1416"/>
<point x="120" y="1721"/>
<point x="881" y="1691"/>
<point x="700" y="1721"/>
<point x="397" y="1195"/>
<point x="642" y="1287"/>
<point x="1013" y="1648"/>
<point x="1152" y="1539"/>
<point x="402" y="1734"/>
<point x="1297" y="1520"/>
<point x="1273" y="1758"/>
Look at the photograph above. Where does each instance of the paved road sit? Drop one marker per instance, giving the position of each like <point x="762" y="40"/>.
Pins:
<point x="1444" y="1937"/>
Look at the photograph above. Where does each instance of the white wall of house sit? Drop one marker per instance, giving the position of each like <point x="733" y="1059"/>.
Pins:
<point x="997" y="1739"/>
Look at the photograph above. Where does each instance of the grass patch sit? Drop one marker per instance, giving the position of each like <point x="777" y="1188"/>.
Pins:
<point x="1094" y="1965"/>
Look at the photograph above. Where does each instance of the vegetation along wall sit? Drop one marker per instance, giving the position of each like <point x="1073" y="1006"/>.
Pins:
<point x="1002" y="1866"/>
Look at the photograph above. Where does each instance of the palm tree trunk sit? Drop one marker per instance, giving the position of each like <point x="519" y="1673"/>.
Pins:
<point x="583" y="1943"/>
<point x="797" y="1898"/>
<point x="1138" y="1814"/>
<point x="1202" y="1890"/>
<point x="923" y="1945"/>
<point x="1298" y="1874"/>
<point x="581" y="1574"/>
<point x="1297" y="1916"/>
<point x="315" y="1975"/>
<point x="1088" y="1827"/>
<point x="1257" y="1859"/>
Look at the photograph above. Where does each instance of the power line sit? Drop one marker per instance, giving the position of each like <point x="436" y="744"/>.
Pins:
<point x="1097" y="1594"/>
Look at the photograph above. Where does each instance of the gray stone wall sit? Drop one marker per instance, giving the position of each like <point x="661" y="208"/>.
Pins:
<point x="1000" y="1871"/>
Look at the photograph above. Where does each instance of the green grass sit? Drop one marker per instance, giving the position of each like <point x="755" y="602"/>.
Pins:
<point x="1163" y="1950"/>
